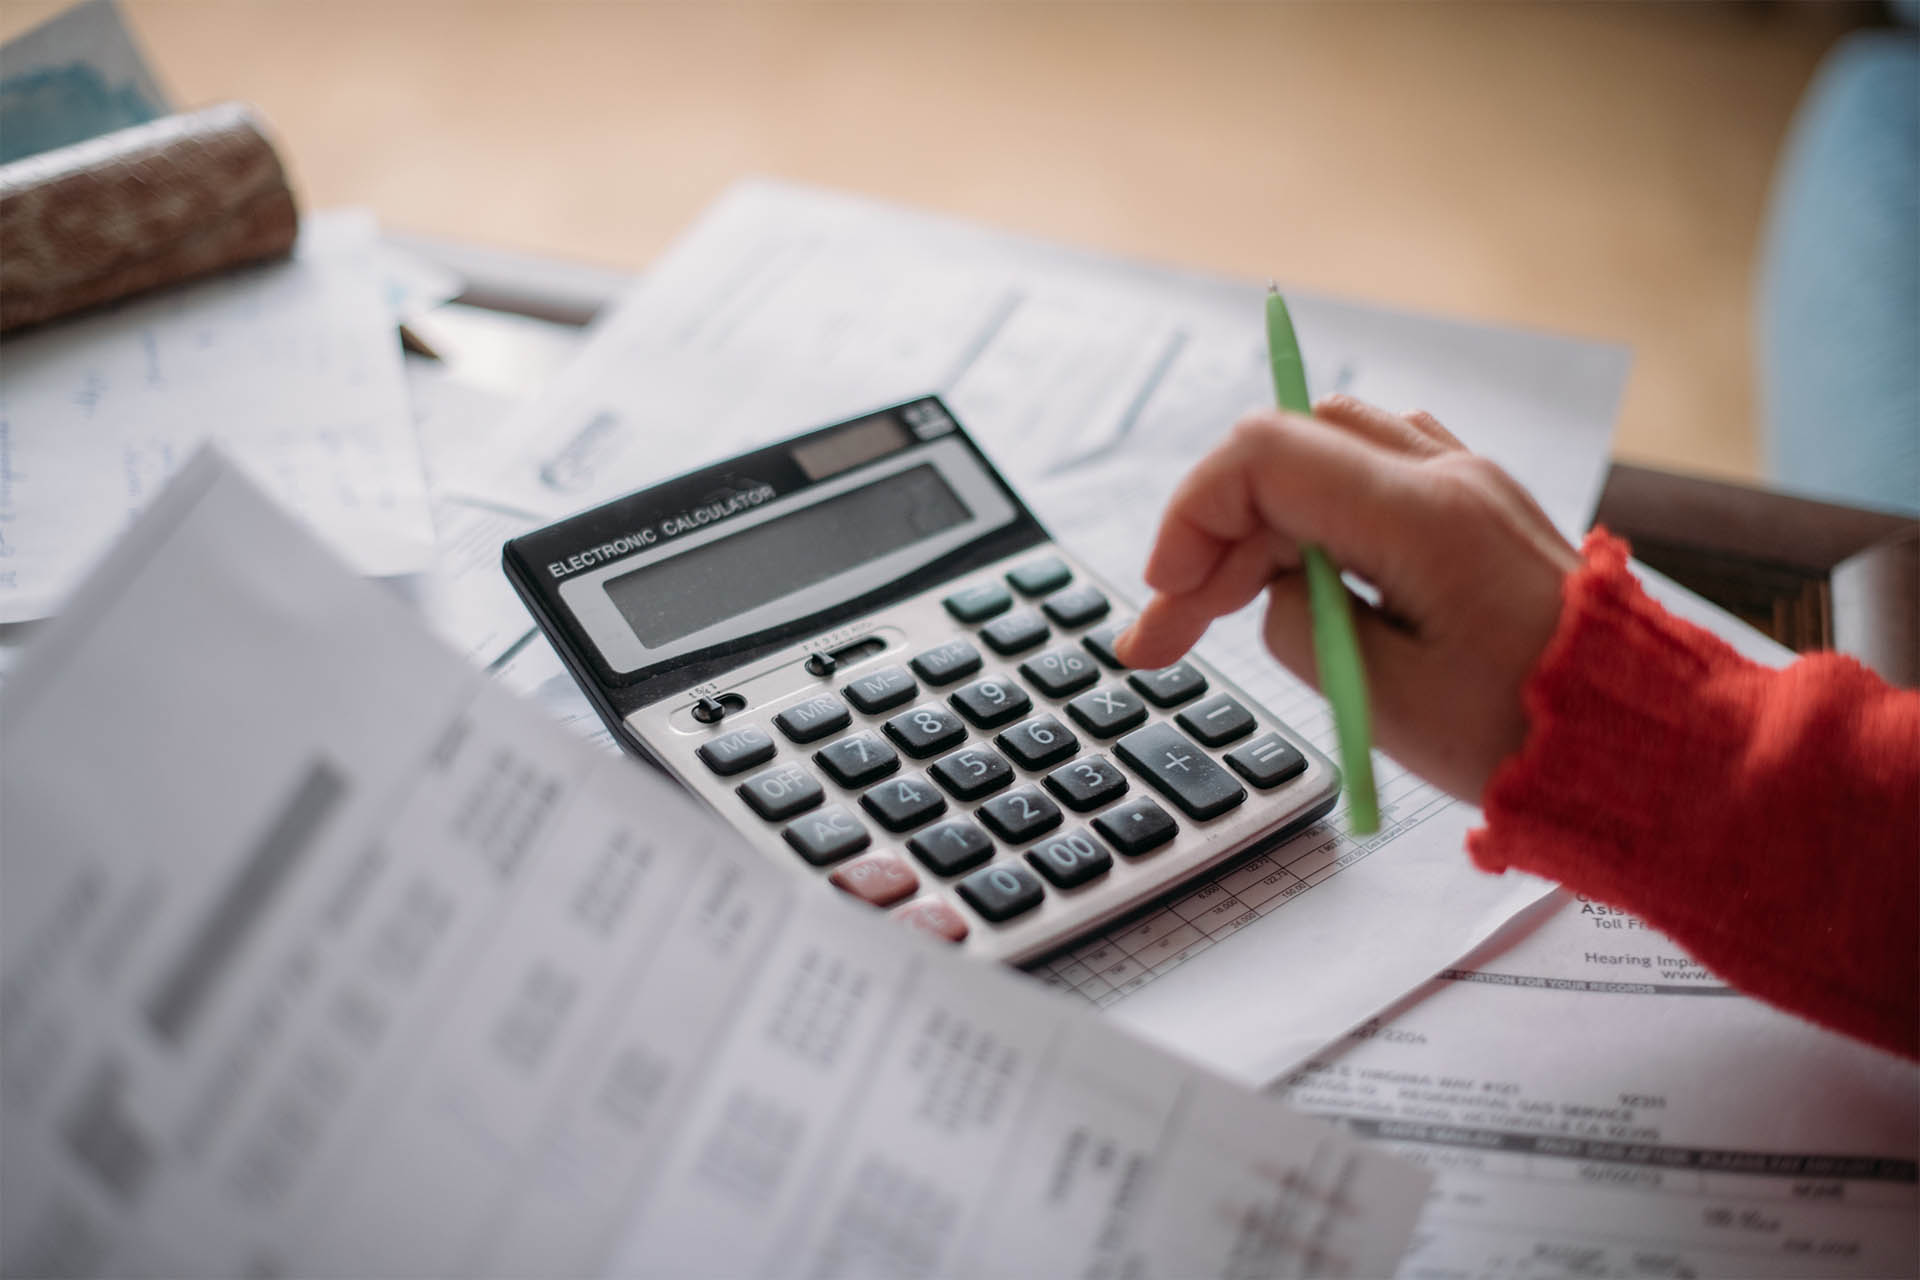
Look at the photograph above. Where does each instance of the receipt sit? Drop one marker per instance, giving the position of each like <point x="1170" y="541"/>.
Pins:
<point x="323" y="954"/>
<point x="293" y="367"/>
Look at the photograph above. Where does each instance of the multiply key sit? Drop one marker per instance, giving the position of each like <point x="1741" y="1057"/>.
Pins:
<point x="1181" y="771"/>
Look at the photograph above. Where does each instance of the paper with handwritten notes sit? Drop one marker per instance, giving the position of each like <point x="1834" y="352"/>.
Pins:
<point x="293" y="367"/>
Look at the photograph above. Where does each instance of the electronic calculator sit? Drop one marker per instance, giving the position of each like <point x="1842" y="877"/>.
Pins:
<point x="864" y="652"/>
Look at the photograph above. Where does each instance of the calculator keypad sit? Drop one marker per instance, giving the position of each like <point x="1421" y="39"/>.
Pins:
<point x="740" y="749"/>
<point x="972" y="772"/>
<point x="1217" y="721"/>
<point x="1076" y="606"/>
<point x="903" y="803"/>
<point x="1015" y="633"/>
<point x="977" y="604"/>
<point x="827" y="835"/>
<point x="943" y="664"/>
<point x="814" y="718"/>
<point x="1108" y="713"/>
<point x="1180" y="771"/>
<point x="1070" y="859"/>
<point x="781" y="792"/>
<point x="1038" y="577"/>
<point x="1020" y="815"/>
<point x="879" y="880"/>
<point x="926" y="730"/>
<point x="1086" y="784"/>
<point x="857" y="759"/>
<point x="992" y="702"/>
<point x="1061" y="672"/>
<point x="1169" y="686"/>
<point x="881" y="690"/>
<point x="984" y="814"/>
<point x="1039" y="742"/>
<point x="949" y="848"/>
<point x="1002" y="891"/>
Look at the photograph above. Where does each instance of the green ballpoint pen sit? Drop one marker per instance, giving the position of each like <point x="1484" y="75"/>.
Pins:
<point x="1336" y="648"/>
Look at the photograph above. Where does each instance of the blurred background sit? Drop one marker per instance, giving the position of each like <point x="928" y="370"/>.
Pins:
<point x="1600" y="169"/>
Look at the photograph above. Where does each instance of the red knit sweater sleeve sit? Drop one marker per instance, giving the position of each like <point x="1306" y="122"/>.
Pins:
<point x="1767" y="821"/>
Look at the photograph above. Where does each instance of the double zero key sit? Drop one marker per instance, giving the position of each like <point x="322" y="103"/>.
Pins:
<point x="1180" y="771"/>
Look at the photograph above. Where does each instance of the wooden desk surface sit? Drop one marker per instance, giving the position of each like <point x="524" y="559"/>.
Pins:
<point x="1599" y="170"/>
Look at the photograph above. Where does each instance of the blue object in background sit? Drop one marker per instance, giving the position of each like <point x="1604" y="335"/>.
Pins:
<point x="56" y="106"/>
<point x="1840" y="302"/>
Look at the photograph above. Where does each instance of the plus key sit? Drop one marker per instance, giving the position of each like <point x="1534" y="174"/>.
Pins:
<point x="1180" y="771"/>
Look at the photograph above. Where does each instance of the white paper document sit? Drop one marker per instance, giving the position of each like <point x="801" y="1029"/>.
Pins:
<point x="1596" y="1104"/>
<point x="1093" y="384"/>
<point x="293" y="367"/>
<point x="321" y="954"/>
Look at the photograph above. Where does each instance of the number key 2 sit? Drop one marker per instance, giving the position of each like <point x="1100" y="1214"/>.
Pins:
<point x="1019" y="816"/>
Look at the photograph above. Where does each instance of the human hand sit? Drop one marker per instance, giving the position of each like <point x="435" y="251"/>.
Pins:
<point x="1468" y="568"/>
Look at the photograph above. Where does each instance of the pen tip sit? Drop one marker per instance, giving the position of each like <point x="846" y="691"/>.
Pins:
<point x="1272" y="285"/>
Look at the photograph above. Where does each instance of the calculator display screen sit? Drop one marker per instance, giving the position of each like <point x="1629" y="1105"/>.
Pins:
<point x="681" y="594"/>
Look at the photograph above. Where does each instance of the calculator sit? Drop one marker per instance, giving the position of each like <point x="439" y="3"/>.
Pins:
<point x="862" y="650"/>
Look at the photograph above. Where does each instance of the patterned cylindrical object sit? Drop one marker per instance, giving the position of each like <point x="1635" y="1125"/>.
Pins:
<point x="139" y="208"/>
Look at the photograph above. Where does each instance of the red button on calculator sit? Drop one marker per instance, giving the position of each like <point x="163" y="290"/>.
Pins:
<point x="935" y="917"/>
<point x="880" y="880"/>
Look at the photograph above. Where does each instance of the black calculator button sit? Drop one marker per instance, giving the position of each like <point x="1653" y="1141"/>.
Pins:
<point x="1019" y="816"/>
<point x="951" y="847"/>
<point x="1100" y="641"/>
<point x="741" y="749"/>
<point x="1087" y="783"/>
<point x="991" y="703"/>
<point x="904" y="802"/>
<point x="1267" y="762"/>
<point x="972" y="772"/>
<point x="1106" y="713"/>
<point x="926" y="730"/>
<point x="1060" y="672"/>
<point x="1002" y="891"/>
<point x="1038" y="577"/>
<point x="1137" y="827"/>
<point x="1015" y="633"/>
<point x="857" y="759"/>
<point x="1070" y="858"/>
<point x="781" y="792"/>
<point x="1076" y="606"/>
<point x="977" y="604"/>
<point x="1169" y="686"/>
<point x="881" y="690"/>
<point x="1217" y="721"/>
<point x="1180" y="770"/>
<point x="1039" y="742"/>
<point x="815" y="718"/>
<point x="827" y="835"/>
<point x="954" y="660"/>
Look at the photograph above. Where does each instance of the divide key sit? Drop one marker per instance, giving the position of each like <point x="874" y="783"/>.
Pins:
<point x="1180" y="770"/>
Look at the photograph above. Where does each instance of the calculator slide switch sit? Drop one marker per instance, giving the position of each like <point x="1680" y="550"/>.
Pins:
<point x="1002" y="891"/>
<point x="1181" y="771"/>
<point x="827" y="835"/>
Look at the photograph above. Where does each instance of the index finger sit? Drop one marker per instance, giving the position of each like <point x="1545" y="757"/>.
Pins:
<point x="1275" y="473"/>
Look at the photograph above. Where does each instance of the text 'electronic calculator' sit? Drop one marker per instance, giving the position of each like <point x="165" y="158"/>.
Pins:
<point x="864" y="652"/>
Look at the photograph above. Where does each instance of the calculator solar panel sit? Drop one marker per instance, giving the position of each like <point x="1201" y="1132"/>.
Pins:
<point x="861" y="649"/>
